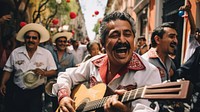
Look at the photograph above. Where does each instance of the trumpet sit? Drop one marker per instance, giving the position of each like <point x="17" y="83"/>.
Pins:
<point x="48" y="87"/>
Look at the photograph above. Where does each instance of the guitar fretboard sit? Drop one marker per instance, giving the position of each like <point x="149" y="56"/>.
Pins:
<point x="126" y="97"/>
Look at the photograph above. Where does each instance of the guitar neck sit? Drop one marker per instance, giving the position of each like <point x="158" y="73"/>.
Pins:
<point x="97" y="104"/>
<point x="172" y="90"/>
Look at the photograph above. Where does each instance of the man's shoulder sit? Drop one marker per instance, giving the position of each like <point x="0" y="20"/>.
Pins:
<point x="43" y="50"/>
<point x="19" y="49"/>
<point x="144" y="58"/>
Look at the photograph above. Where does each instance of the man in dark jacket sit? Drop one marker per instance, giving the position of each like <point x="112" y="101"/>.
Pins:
<point x="190" y="70"/>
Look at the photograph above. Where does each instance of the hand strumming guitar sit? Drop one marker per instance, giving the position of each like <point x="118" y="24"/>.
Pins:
<point x="67" y="105"/>
<point x="113" y="105"/>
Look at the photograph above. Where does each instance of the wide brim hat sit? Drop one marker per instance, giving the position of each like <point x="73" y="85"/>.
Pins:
<point x="68" y="35"/>
<point x="44" y="33"/>
<point x="30" y="79"/>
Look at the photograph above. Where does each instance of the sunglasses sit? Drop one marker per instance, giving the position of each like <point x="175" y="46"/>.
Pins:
<point x="60" y="41"/>
<point x="29" y="37"/>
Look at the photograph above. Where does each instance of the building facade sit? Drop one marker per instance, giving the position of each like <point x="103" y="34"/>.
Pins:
<point x="149" y="14"/>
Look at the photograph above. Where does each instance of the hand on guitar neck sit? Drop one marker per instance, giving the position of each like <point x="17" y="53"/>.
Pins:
<point x="66" y="105"/>
<point x="93" y="98"/>
<point x="112" y="104"/>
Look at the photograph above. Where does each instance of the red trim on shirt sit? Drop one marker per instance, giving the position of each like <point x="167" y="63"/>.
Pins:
<point x="134" y="64"/>
<point x="152" y="53"/>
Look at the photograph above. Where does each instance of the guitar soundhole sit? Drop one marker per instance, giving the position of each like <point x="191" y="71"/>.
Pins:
<point x="82" y="105"/>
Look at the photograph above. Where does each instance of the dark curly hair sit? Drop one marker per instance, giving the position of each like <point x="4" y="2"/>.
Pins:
<point x="113" y="17"/>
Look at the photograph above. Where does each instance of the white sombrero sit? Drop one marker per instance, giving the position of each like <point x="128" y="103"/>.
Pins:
<point x="68" y="35"/>
<point x="44" y="34"/>
<point x="31" y="80"/>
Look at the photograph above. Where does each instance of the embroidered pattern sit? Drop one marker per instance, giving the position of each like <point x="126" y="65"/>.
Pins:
<point x="19" y="62"/>
<point x="136" y="63"/>
<point x="38" y="64"/>
<point x="98" y="62"/>
<point x="152" y="53"/>
<point x="162" y="72"/>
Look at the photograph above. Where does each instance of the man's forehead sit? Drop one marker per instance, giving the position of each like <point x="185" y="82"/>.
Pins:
<point x="170" y="30"/>
<point x="111" y="24"/>
<point x="121" y="24"/>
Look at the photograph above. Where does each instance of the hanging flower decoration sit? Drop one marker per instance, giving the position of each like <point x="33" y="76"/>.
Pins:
<point x="59" y="1"/>
<point x="73" y="32"/>
<point x="55" y="21"/>
<point x="72" y="15"/>
<point x="181" y="13"/>
<point x="96" y="12"/>
<point x="22" y="24"/>
<point x="67" y="1"/>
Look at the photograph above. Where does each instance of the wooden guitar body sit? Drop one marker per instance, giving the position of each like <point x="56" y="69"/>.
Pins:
<point x="82" y="95"/>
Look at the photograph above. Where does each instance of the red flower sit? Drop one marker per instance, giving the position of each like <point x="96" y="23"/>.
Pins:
<point x="68" y="1"/>
<point x="22" y="24"/>
<point x="72" y="15"/>
<point x="55" y="21"/>
<point x="96" y="12"/>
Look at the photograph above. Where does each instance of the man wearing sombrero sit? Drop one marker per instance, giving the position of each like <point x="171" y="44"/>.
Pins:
<point x="31" y="65"/>
<point x="62" y="56"/>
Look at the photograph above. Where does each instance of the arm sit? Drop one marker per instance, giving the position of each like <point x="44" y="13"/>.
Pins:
<point x="65" y="81"/>
<point x="5" y="78"/>
<point x="46" y="73"/>
<point x="189" y="69"/>
<point x="187" y="8"/>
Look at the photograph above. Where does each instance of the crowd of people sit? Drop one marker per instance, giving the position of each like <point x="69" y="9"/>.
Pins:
<point x="122" y="66"/>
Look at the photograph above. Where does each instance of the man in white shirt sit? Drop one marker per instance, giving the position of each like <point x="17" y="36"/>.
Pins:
<point x="31" y="66"/>
<point x="78" y="50"/>
<point x="120" y="69"/>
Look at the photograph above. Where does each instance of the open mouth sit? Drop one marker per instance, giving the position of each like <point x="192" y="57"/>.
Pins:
<point x="173" y="46"/>
<point x="122" y="50"/>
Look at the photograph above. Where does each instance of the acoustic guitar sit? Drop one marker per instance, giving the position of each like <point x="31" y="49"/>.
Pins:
<point x="93" y="98"/>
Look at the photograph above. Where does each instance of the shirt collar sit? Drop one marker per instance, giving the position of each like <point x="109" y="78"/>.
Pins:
<point x="23" y="50"/>
<point x="102" y="63"/>
<point x="152" y="53"/>
<point x="66" y="50"/>
<point x="134" y="64"/>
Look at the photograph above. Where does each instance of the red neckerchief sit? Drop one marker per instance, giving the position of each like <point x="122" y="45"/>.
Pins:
<point x="134" y="64"/>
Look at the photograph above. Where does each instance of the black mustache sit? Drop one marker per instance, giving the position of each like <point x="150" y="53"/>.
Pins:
<point x="30" y="43"/>
<point x="119" y="44"/>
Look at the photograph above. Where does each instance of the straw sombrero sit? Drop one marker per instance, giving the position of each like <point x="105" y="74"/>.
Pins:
<point x="68" y="35"/>
<point x="44" y="34"/>
<point x="30" y="79"/>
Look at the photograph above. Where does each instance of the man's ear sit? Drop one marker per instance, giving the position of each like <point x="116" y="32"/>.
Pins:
<point x="157" y="39"/>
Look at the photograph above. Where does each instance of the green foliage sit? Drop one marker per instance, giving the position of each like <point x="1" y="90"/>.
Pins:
<point x="64" y="8"/>
<point x="96" y="28"/>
